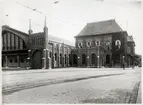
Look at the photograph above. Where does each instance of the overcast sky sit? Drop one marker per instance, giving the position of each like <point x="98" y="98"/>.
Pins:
<point x="67" y="18"/>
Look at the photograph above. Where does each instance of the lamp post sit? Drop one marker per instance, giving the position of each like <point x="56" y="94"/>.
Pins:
<point x="28" y="59"/>
<point x="28" y="63"/>
<point x="44" y="59"/>
<point x="97" y="61"/>
<point x="87" y="61"/>
<point x="123" y="62"/>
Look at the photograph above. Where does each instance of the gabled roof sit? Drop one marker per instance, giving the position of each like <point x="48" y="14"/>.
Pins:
<point x="54" y="39"/>
<point x="130" y="39"/>
<point x="102" y="27"/>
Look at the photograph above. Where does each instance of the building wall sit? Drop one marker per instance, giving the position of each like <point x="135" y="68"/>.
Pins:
<point x="14" y="49"/>
<point x="96" y="46"/>
<point x="119" y="54"/>
<point x="107" y="53"/>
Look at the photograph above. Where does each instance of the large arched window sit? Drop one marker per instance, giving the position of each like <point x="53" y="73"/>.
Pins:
<point x="12" y="42"/>
<point x="107" y="43"/>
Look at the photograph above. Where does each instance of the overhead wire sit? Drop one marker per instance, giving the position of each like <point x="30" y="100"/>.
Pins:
<point x="35" y="10"/>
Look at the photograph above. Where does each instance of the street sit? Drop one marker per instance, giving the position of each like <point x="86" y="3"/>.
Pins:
<point x="92" y="85"/>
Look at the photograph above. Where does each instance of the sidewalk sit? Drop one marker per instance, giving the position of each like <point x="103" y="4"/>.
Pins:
<point x="25" y="71"/>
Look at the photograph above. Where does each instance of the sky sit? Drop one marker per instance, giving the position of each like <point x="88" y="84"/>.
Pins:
<point x="67" y="18"/>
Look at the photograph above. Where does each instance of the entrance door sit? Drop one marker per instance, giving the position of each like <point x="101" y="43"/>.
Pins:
<point x="84" y="62"/>
<point x="107" y="59"/>
<point x="93" y="60"/>
<point x="37" y="60"/>
<point x="75" y="62"/>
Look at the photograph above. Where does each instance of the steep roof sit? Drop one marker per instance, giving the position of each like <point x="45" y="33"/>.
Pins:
<point x="102" y="27"/>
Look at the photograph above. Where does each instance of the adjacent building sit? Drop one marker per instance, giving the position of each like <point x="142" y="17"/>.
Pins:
<point x="103" y="44"/>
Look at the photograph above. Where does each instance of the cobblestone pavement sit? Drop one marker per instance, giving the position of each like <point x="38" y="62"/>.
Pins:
<point x="111" y="89"/>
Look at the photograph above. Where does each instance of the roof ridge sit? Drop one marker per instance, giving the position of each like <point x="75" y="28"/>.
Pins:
<point x="100" y="27"/>
<point x="102" y="21"/>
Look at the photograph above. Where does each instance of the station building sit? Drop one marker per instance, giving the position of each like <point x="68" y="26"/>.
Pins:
<point x="34" y="50"/>
<point x="98" y="44"/>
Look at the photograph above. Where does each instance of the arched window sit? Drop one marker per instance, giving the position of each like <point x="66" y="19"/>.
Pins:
<point x="55" y="56"/>
<point x="89" y="44"/>
<point x="118" y="43"/>
<point x="60" y="58"/>
<point x="12" y="41"/>
<point x="80" y="45"/>
<point x="65" y="59"/>
<point x="98" y="43"/>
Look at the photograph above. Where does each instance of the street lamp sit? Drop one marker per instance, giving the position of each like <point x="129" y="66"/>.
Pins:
<point x="28" y="62"/>
<point x="78" y="60"/>
<point x="98" y="61"/>
<point x="88" y="60"/>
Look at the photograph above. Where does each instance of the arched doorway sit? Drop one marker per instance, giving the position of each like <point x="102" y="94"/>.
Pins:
<point x="107" y="59"/>
<point x="75" y="60"/>
<point x="60" y="59"/>
<point x="93" y="59"/>
<point x="70" y="60"/>
<point x="37" y="60"/>
<point x="84" y="62"/>
<point x="65" y="59"/>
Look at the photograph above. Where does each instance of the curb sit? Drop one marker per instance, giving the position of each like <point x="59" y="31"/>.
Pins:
<point x="134" y="94"/>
